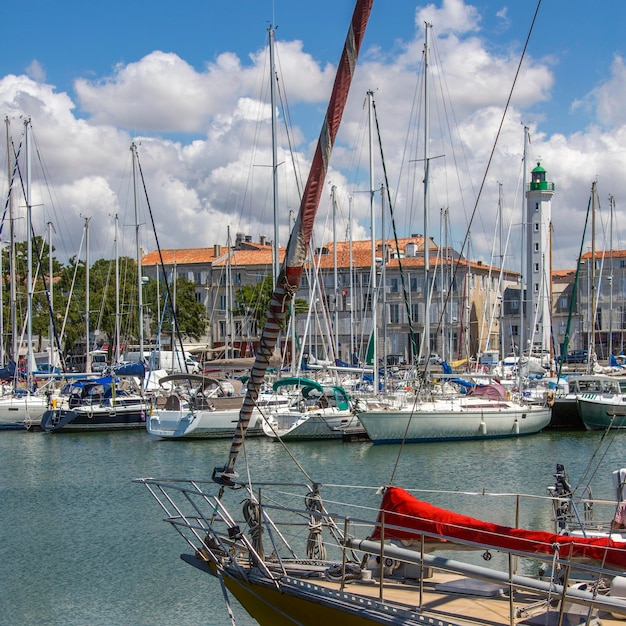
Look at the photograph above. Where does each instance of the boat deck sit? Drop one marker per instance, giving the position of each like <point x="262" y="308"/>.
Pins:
<point x="449" y="598"/>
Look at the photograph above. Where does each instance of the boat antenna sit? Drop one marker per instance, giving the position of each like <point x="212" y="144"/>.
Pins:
<point x="288" y="280"/>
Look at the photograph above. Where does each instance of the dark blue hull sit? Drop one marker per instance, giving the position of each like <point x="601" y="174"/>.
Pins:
<point x="98" y="418"/>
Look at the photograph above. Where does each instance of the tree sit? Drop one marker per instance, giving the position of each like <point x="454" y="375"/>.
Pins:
<point x="253" y="301"/>
<point x="190" y="314"/>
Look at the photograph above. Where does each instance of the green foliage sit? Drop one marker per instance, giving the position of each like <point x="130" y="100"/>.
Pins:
<point x="190" y="314"/>
<point x="253" y="301"/>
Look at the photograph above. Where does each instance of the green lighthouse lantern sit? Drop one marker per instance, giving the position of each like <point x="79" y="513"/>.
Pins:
<point x="538" y="180"/>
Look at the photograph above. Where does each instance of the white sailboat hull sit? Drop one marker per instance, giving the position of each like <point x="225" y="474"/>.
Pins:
<point x="18" y="412"/>
<point x="453" y="420"/>
<point x="322" y="424"/>
<point x="203" y="424"/>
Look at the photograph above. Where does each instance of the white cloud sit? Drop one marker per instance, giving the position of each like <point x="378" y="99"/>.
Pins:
<point x="204" y="141"/>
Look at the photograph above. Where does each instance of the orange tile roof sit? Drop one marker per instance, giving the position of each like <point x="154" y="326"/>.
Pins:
<point x="180" y="256"/>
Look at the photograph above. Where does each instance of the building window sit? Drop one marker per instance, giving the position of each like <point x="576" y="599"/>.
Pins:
<point x="393" y="285"/>
<point x="367" y="302"/>
<point x="623" y="317"/>
<point x="514" y="305"/>
<point x="536" y="267"/>
<point x="416" y="284"/>
<point x="394" y="314"/>
<point x="563" y="302"/>
<point x="415" y="312"/>
<point x="536" y="247"/>
<point x="536" y="287"/>
<point x="536" y="227"/>
<point x="536" y="206"/>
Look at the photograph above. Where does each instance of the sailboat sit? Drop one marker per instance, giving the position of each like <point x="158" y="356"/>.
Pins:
<point x="444" y="413"/>
<point x="23" y="407"/>
<point x="359" y="563"/>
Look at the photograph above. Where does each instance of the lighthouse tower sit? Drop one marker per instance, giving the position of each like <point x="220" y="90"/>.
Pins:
<point x="538" y="269"/>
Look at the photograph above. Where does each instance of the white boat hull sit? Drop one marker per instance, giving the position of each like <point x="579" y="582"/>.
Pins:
<point x="454" y="420"/>
<point x="20" y="412"/>
<point x="187" y="424"/>
<point x="296" y="426"/>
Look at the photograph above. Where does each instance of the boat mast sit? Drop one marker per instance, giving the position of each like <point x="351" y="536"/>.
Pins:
<point x="29" y="261"/>
<point x="426" y="342"/>
<point x="117" y="293"/>
<point x="333" y="193"/>
<point x="523" y="252"/>
<point x="351" y="275"/>
<point x="53" y="355"/>
<point x="592" y="284"/>
<point x="133" y="149"/>
<point x="276" y="259"/>
<point x="229" y="300"/>
<point x="374" y="307"/>
<point x="87" y="345"/>
<point x="612" y="209"/>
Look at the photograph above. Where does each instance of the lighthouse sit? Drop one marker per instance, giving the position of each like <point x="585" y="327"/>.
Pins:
<point x="539" y="194"/>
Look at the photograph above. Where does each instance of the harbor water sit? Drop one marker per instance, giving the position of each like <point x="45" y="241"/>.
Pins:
<point x="83" y="545"/>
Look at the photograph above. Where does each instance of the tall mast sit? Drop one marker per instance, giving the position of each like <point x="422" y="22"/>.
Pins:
<point x="276" y="263"/>
<point x="592" y="341"/>
<point x="229" y="299"/>
<point x="87" y="344"/>
<point x="426" y="341"/>
<point x="52" y="350"/>
<point x="133" y="149"/>
<point x="12" y="268"/>
<point x="612" y="209"/>
<point x="351" y="274"/>
<point x="522" y="335"/>
<point x="117" y="294"/>
<point x="29" y="260"/>
<point x="333" y="192"/>
<point x="374" y="304"/>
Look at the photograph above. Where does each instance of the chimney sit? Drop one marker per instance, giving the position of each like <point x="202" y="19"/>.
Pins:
<point x="262" y="239"/>
<point x="217" y="250"/>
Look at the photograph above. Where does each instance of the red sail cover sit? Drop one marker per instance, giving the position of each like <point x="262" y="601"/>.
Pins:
<point x="405" y="517"/>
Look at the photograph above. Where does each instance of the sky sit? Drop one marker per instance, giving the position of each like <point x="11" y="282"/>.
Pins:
<point x="188" y="85"/>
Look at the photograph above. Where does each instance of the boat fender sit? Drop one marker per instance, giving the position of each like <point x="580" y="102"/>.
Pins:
<point x="483" y="427"/>
<point x="550" y="398"/>
<point x="516" y="427"/>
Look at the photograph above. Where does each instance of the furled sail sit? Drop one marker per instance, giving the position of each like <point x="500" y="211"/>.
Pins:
<point x="405" y="518"/>
<point x="288" y="280"/>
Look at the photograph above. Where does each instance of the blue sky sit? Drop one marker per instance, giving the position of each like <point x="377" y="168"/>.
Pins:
<point x="184" y="79"/>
